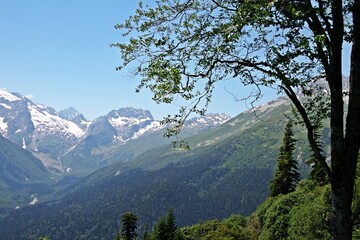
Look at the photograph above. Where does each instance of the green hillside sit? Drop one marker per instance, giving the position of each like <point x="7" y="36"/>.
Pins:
<point x="227" y="171"/>
<point x="21" y="175"/>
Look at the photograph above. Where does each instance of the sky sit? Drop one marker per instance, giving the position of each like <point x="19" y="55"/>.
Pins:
<point x="57" y="53"/>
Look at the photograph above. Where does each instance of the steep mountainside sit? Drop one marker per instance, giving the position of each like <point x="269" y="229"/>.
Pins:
<point x="21" y="175"/>
<point x="227" y="171"/>
<point x="36" y="127"/>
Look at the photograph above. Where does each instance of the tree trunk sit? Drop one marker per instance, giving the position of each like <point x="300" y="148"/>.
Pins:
<point x="344" y="152"/>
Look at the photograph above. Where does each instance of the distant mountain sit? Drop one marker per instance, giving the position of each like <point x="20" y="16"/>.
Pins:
<point x="21" y="175"/>
<point x="227" y="171"/>
<point x="124" y="134"/>
<point x="75" y="116"/>
<point x="68" y="143"/>
<point x="36" y="127"/>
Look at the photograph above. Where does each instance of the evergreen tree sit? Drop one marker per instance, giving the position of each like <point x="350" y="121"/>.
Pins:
<point x="317" y="172"/>
<point x="170" y="224"/>
<point x="118" y="236"/>
<point x="146" y="235"/>
<point x="128" y="230"/>
<point x="165" y="229"/>
<point x="286" y="175"/>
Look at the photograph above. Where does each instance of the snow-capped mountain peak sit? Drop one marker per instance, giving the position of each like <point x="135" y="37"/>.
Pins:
<point x="74" y="116"/>
<point x="66" y="136"/>
<point x="7" y="96"/>
<point x="208" y="120"/>
<point x="44" y="120"/>
<point x="36" y="126"/>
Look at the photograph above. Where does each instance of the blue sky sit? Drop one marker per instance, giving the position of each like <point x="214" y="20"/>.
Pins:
<point x="57" y="53"/>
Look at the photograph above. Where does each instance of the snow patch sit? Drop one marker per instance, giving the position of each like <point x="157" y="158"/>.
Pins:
<point x="154" y="125"/>
<point x="5" y="106"/>
<point x="3" y="126"/>
<point x="34" y="200"/>
<point x="23" y="144"/>
<point x="125" y="121"/>
<point x="43" y="120"/>
<point x="8" y="96"/>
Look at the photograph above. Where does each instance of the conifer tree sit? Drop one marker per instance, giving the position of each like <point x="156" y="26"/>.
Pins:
<point x="286" y="175"/>
<point x="146" y="234"/>
<point x="317" y="172"/>
<point x="117" y="236"/>
<point x="170" y="224"/>
<point x="128" y="230"/>
<point x="166" y="228"/>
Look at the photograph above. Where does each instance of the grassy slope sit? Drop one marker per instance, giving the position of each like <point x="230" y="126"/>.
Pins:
<point x="21" y="175"/>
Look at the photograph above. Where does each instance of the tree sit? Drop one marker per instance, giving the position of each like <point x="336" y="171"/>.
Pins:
<point x="317" y="173"/>
<point x="146" y="234"/>
<point x="128" y="230"/>
<point x="170" y="224"/>
<point x="181" y="48"/>
<point x="286" y="175"/>
<point x="165" y="229"/>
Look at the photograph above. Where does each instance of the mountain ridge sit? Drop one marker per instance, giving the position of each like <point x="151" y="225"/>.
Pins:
<point x="67" y="141"/>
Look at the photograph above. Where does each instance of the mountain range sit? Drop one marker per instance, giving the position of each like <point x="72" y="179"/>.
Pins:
<point x="121" y="162"/>
<point x="227" y="170"/>
<point x="66" y="141"/>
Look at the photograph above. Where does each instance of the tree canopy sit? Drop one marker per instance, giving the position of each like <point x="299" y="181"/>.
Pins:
<point x="181" y="48"/>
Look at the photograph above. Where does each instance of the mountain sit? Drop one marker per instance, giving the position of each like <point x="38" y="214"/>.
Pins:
<point x="68" y="143"/>
<point x="35" y="126"/>
<point x="124" y="134"/>
<point x="227" y="171"/>
<point x="21" y="175"/>
<point x="74" y="116"/>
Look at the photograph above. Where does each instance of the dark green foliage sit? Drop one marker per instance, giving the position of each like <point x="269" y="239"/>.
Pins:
<point x="204" y="184"/>
<point x="209" y="182"/>
<point x="117" y="236"/>
<point x="301" y="214"/>
<point x="170" y="224"/>
<point x="317" y="172"/>
<point x="165" y="229"/>
<point x="93" y="211"/>
<point x="286" y="175"/>
<point x="129" y="227"/>
<point x="233" y="228"/>
<point x="146" y="234"/>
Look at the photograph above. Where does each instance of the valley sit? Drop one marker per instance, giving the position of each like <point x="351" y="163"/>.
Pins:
<point x="121" y="162"/>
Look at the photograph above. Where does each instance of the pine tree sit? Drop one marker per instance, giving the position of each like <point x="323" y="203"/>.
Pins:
<point x="117" y="236"/>
<point x="128" y="230"/>
<point x="146" y="234"/>
<point x="286" y="175"/>
<point x="317" y="172"/>
<point x="170" y="224"/>
<point x="165" y="229"/>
